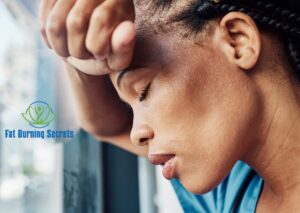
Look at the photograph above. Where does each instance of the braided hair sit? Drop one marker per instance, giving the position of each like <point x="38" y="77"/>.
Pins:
<point x="281" y="17"/>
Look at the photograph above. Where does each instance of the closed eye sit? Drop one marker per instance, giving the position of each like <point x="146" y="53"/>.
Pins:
<point x="144" y="92"/>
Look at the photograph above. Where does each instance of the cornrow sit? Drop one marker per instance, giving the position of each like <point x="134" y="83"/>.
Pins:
<point x="293" y="48"/>
<point x="277" y="11"/>
<point x="265" y="14"/>
<point x="272" y="8"/>
<point x="261" y="19"/>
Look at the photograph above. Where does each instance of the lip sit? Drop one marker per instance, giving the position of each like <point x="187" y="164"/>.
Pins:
<point x="167" y="161"/>
<point x="160" y="159"/>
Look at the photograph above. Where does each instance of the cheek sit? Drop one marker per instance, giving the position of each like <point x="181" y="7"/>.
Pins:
<point x="171" y="110"/>
<point x="209" y="122"/>
<point x="226" y="132"/>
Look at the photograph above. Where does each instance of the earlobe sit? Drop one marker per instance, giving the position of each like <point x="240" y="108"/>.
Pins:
<point x="243" y="38"/>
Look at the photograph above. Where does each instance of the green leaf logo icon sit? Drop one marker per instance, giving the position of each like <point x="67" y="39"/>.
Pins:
<point x="39" y="114"/>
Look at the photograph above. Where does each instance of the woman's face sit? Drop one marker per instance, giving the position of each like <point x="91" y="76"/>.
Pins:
<point x="190" y="101"/>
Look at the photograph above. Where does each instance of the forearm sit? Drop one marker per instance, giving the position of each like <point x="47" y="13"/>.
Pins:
<point x="101" y="112"/>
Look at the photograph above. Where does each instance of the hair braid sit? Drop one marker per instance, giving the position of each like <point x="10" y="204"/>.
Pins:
<point x="263" y="20"/>
<point x="293" y="47"/>
<point x="277" y="11"/>
<point x="268" y="6"/>
<point x="265" y="14"/>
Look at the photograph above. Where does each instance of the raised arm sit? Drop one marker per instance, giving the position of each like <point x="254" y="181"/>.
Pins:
<point x="94" y="38"/>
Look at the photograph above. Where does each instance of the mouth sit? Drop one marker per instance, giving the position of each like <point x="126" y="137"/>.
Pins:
<point x="167" y="161"/>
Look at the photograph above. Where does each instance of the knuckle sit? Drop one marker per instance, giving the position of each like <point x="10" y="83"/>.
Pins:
<point x="55" y="25"/>
<point x="76" y="22"/>
<point x="102" y="17"/>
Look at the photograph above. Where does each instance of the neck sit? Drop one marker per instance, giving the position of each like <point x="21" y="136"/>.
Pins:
<point x="276" y="153"/>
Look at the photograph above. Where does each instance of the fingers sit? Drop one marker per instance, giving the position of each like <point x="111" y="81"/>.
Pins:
<point x="122" y="42"/>
<point x="56" y="26"/>
<point x="77" y="25"/>
<point x="45" y="8"/>
<point x="102" y="23"/>
<point x="78" y="30"/>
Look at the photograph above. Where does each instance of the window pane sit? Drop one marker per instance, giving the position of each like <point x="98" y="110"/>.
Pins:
<point x="30" y="169"/>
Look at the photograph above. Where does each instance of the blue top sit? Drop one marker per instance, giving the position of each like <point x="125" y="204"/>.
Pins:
<point x="239" y="192"/>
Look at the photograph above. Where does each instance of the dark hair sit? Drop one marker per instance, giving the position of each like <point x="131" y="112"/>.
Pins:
<point x="282" y="16"/>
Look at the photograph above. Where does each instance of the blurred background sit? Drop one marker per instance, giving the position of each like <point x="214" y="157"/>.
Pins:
<point x="80" y="175"/>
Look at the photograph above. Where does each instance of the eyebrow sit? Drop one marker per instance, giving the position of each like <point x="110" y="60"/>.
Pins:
<point x="122" y="74"/>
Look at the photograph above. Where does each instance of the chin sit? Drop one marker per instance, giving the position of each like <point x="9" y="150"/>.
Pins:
<point x="198" y="185"/>
<point x="198" y="189"/>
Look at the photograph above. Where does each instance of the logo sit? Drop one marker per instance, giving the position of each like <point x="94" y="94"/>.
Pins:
<point x="39" y="114"/>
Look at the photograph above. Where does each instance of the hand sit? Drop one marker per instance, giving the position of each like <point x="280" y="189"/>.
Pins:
<point x="94" y="36"/>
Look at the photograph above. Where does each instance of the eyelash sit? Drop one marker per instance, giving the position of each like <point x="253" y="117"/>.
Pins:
<point x="144" y="93"/>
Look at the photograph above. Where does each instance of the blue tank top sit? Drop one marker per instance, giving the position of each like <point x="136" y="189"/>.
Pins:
<point x="239" y="192"/>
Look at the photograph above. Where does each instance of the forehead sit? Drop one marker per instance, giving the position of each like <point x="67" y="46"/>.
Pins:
<point x="148" y="50"/>
<point x="151" y="52"/>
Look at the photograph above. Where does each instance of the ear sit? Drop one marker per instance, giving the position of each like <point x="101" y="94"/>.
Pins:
<point x="240" y="39"/>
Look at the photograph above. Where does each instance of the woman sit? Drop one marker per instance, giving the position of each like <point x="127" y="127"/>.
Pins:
<point x="212" y="87"/>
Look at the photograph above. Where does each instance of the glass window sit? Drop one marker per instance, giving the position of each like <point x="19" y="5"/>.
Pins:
<point x="29" y="168"/>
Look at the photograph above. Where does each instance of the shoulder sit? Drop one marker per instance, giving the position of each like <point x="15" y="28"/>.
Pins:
<point x="240" y="187"/>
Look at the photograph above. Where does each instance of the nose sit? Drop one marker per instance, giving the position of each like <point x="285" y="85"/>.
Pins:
<point x="141" y="133"/>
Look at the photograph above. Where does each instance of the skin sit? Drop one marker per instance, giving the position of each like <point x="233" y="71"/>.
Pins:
<point x="215" y="98"/>
<point x="227" y="95"/>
